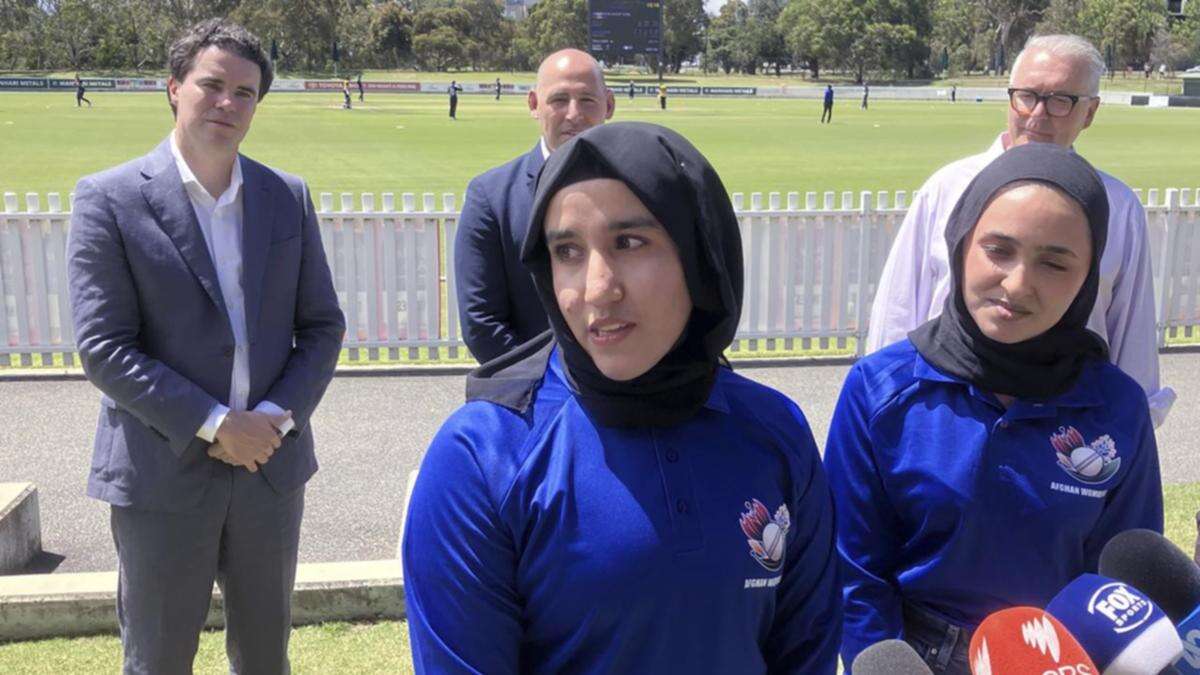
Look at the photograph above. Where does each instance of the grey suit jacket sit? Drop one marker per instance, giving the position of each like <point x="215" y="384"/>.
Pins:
<point x="154" y="335"/>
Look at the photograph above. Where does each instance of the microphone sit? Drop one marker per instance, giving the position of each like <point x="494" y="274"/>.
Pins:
<point x="1027" y="641"/>
<point x="1150" y="562"/>
<point x="1122" y="630"/>
<point x="889" y="657"/>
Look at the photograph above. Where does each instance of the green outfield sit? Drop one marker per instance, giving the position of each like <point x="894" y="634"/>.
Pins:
<point x="406" y="143"/>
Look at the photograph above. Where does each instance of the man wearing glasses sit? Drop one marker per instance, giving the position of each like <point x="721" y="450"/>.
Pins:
<point x="1053" y="96"/>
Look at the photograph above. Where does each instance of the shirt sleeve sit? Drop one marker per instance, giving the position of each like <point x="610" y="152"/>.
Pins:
<point x="271" y="408"/>
<point x="464" y="612"/>
<point x="481" y="281"/>
<point x="806" y="631"/>
<point x="868" y="526"/>
<point x="1136" y="503"/>
<point x="904" y="290"/>
<point x="216" y="416"/>
<point x="1131" y="320"/>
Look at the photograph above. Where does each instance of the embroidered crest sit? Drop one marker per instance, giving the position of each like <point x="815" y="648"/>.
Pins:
<point x="1091" y="463"/>
<point x="766" y="535"/>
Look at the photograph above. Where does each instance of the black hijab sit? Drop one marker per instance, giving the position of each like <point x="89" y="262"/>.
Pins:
<point x="1045" y="365"/>
<point x="683" y="192"/>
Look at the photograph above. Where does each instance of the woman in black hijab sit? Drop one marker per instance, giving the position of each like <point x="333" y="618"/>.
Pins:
<point x="984" y="462"/>
<point x="612" y="498"/>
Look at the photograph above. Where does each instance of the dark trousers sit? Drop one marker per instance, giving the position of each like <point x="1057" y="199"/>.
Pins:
<point x="827" y="113"/>
<point x="79" y="98"/>
<point x="942" y="644"/>
<point x="246" y="537"/>
<point x="864" y="105"/>
<point x="662" y="101"/>
<point x="360" y="93"/>
<point x="453" y="106"/>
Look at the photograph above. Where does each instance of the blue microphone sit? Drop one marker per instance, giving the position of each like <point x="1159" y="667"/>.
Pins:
<point x="1150" y="562"/>
<point x="1123" y="631"/>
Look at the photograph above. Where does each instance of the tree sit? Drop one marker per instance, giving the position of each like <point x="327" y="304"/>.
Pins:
<point x="392" y="32"/>
<point x="439" y="48"/>
<point x="74" y="27"/>
<point x="553" y="25"/>
<point x="22" y="36"/>
<point x="1063" y="17"/>
<point x="683" y="25"/>
<point x="1179" y="45"/>
<point x="730" y="43"/>
<point x="1010" y="24"/>
<point x="962" y="31"/>
<point x="1128" y="26"/>
<point x="766" y="38"/>
<point x="862" y="36"/>
<point x="818" y="32"/>
<point x="898" y="32"/>
<point x="483" y="31"/>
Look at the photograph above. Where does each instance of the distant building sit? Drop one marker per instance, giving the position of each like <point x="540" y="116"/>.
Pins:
<point x="1191" y="84"/>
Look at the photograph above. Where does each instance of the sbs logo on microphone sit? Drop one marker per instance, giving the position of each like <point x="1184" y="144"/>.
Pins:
<point x="981" y="663"/>
<point x="1040" y="635"/>
<point x="1121" y="605"/>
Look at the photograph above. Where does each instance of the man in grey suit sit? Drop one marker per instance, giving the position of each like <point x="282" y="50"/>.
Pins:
<point x="205" y="313"/>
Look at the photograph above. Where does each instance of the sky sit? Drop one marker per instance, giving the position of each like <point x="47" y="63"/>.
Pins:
<point x="713" y="6"/>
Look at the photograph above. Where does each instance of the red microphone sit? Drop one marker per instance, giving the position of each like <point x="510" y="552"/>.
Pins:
<point x="1027" y="641"/>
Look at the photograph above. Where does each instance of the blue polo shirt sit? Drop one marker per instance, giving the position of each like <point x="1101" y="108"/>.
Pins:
<point x="543" y="543"/>
<point x="948" y="500"/>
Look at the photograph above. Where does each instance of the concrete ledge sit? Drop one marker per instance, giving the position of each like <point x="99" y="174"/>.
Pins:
<point x="55" y="605"/>
<point x="20" y="526"/>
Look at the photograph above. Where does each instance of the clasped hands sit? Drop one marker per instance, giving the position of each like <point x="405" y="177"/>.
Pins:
<point x="248" y="438"/>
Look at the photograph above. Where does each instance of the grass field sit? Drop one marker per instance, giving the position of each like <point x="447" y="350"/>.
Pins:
<point x="1135" y="82"/>
<point x="370" y="648"/>
<point x="405" y="143"/>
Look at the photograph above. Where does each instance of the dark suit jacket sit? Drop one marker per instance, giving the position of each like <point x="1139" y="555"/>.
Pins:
<point x="154" y="335"/>
<point x="497" y="303"/>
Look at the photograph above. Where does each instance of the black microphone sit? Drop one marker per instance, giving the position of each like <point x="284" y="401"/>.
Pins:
<point x="890" y="657"/>
<point x="1151" y="563"/>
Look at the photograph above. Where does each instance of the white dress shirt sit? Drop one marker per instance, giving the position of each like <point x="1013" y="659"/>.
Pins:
<point x="916" y="277"/>
<point x="220" y="222"/>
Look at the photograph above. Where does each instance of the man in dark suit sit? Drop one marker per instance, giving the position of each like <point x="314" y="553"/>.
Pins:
<point x="497" y="304"/>
<point x="205" y="313"/>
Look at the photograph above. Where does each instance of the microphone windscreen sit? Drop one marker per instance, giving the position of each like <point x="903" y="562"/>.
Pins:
<point x="1150" y="562"/>
<point x="1120" y="628"/>
<point x="890" y="657"/>
<point x="1026" y="641"/>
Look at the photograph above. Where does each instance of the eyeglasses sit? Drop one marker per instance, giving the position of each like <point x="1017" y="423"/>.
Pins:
<point x="1025" y="101"/>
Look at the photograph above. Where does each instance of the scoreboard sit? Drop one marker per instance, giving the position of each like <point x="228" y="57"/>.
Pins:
<point x="618" y="28"/>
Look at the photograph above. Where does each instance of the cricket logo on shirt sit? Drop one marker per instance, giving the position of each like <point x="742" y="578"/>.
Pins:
<point x="766" y="535"/>
<point x="1091" y="463"/>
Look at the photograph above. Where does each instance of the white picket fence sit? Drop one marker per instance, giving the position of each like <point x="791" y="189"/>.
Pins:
<point x="812" y="261"/>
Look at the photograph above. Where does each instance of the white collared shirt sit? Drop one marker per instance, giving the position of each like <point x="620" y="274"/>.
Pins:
<point x="220" y="222"/>
<point x="545" y="148"/>
<point x="916" y="277"/>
